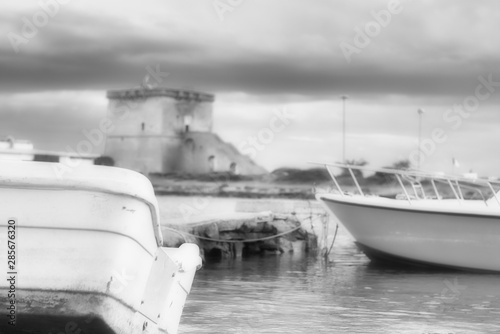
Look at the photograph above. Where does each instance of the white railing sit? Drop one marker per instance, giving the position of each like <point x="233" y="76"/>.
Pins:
<point x="415" y="179"/>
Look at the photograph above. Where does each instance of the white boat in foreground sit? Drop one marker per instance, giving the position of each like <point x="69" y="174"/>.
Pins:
<point x="82" y="253"/>
<point x="421" y="226"/>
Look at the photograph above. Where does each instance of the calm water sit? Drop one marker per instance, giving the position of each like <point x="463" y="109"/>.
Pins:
<point x="294" y="294"/>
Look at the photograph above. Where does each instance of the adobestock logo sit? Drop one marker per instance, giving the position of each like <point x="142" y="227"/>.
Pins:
<point x="222" y="7"/>
<point x="252" y="145"/>
<point x="454" y="118"/>
<point x="31" y="26"/>
<point x="94" y="138"/>
<point x="371" y="29"/>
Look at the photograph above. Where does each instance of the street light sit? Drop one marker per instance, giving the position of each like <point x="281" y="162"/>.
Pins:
<point x="420" y="113"/>
<point x="344" y="98"/>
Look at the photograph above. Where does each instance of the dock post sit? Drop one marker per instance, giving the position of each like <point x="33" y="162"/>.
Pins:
<point x="299" y="247"/>
<point x="238" y="249"/>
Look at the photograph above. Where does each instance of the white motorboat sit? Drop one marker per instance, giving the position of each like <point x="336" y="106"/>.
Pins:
<point x="421" y="225"/>
<point x="82" y="253"/>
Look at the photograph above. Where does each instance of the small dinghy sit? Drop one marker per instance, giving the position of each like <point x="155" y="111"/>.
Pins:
<point x="82" y="253"/>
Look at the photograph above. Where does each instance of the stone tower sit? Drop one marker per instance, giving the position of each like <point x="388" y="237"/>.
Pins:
<point x="164" y="130"/>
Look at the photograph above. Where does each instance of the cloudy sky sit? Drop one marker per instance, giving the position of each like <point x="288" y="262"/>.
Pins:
<point x="260" y="57"/>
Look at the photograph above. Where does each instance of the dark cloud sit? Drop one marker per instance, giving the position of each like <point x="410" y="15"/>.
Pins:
<point x="77" y="50"/>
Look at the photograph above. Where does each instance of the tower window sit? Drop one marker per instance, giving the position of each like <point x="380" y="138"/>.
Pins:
<point x="143" y="125"/>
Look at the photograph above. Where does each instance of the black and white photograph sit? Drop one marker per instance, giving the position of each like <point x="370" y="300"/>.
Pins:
<point x="249" y="167"/>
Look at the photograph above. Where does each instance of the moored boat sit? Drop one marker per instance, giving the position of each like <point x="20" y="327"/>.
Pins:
<point x="83" y="253"/>
<point x="421" y="226"/>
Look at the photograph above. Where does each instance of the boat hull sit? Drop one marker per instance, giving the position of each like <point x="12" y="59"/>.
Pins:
<point x="86" y="255"/>
<point x="55" y="312"/>
<point x="418" y="234"/>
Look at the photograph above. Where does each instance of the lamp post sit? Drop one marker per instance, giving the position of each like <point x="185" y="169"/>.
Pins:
<point x="344" y="98"/>
<point x="420" y="113"/>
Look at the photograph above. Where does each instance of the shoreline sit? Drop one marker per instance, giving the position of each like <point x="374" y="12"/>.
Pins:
<point x="232" y="189"/>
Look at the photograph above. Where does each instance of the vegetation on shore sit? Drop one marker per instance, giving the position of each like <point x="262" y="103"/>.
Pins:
<point x="301" y="183"/>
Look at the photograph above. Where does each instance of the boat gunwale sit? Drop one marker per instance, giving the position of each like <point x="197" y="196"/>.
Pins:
<point x="153" y="206"/>
<point x="458" y="211"/>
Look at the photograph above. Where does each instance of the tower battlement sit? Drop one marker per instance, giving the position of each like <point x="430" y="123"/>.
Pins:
<point x="177" y="94"/>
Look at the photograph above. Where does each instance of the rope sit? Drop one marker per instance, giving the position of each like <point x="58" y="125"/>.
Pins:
<point x="176" y="231"/>
<point x="311" y="216"/>
<point x="236" y="241"/>
<point x="333" y="241"/>
<point x="183" y="234"/>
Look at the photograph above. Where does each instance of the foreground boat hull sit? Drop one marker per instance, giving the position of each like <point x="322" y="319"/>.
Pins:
<point x="54" y="312"/>
<point x="466" y="239"/>
<point x="83" y="254"/>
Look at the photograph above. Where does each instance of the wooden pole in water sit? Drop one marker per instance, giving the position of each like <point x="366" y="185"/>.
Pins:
<point x="333" y="241"/>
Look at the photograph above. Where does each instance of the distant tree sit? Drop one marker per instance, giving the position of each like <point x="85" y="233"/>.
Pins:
<point x="354" y="162"/>
<point x="358" y="163"/>
<point x="301" y="175"/>
<point x="401" y="165"/>
<point x="383" y="178"/>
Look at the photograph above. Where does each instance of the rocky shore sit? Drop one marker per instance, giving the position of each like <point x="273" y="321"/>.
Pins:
<point x="282" y="183"/>
<point x="233" y="189"/>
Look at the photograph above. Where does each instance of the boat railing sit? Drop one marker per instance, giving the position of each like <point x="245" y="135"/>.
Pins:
<point x="416" y="178"/>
